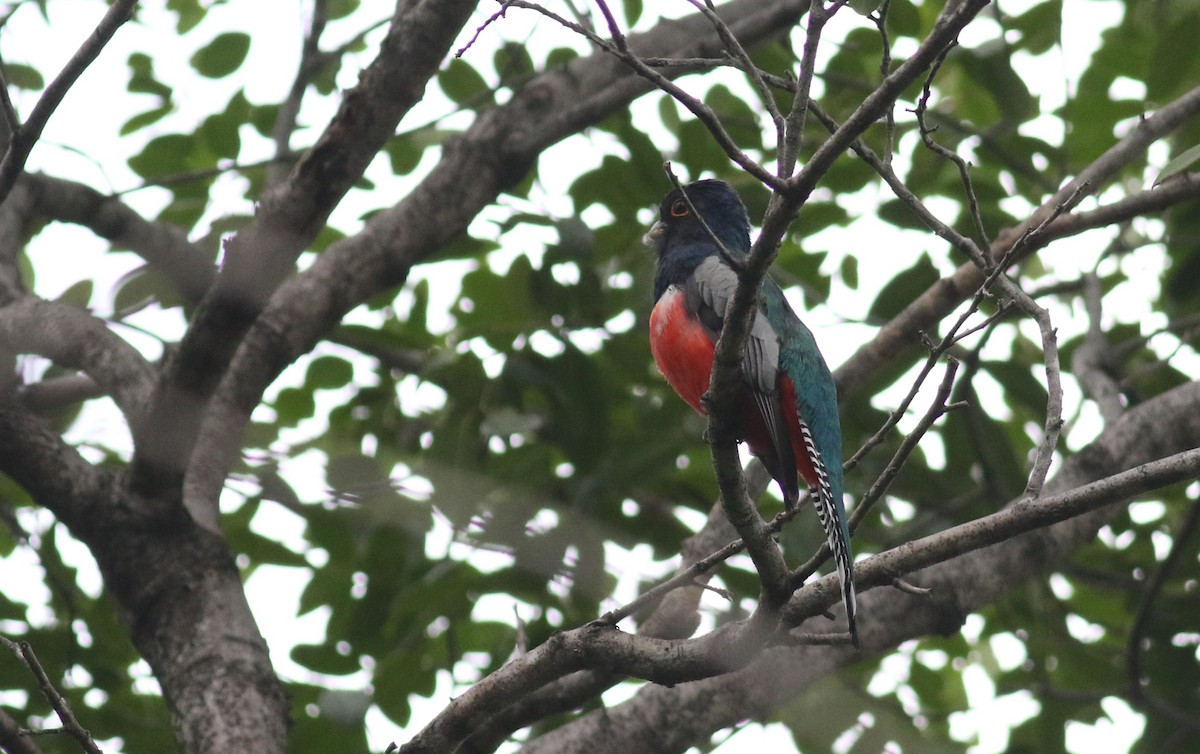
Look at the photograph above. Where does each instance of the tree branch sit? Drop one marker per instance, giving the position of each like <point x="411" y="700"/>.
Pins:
<point x="73" y="338"/>
<point x="730" y="647"/>
<point x="923" y="313"/>
<point x="311" y="62"/>
<point x="163" y="246"/>
<point x="1138" y="692"/>
<point x="13" y="738"/>
<point x="289" y="217"/>
<point x="62" y="708"/>
<point x="27" y="135"/>
<point x="687" y="714"/>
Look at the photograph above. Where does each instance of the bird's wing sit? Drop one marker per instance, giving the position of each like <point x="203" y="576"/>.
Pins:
<point x="709" y="292"/>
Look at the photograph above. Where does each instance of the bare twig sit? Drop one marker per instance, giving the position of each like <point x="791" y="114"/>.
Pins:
<point x="964" y="168"/>
<point x="479" y="30"/>
<point x="619" y="47"/>
<point x="311" y="62"/>
<point x="1090" y="361"/>
<point x="27" y="135"/>
<point x="908" y="588"/>
<point x="879" y="18"/>
<point x="742" y="59"/>
<point x="1023" y="515"/>
<point x="789" y="150"/>
<point x="57" y="701"/>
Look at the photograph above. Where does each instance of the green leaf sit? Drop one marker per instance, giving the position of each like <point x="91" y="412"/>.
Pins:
<point x="849" y="271"/>
<point x="78" y="295"/>
<point x="901" y="290"/>
<point x="740" y="120"/>
<point x="633" y="11"/>
<point x="328" y="373"/>
<point x="222" y="56"/>
<point x="560" y="56"/>
<point x="463" y="84"/>
<point x="1040" y="26"/>
<point x="513" y="63"/>
<point x="140" y="288"/>
<point x="1178" y="164"/>
<point x="342" y="8"/>
<point x="220" y="132"/>
<point x="23" y="77"/>
<point x="141" y="77"/>
<point x="324" y="658"/>
<point x="190" y="13"/>
<point x="901" y="215"/>
<point x="406" y="150"/>
<point x="141" y="120"/>
<point x="294" y="405"/>
<point x="164" y="155"/>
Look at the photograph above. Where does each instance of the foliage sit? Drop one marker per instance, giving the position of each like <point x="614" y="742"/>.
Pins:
<point x="465" y="463"/>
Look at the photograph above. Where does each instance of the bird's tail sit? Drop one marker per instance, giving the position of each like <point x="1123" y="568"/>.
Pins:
<point x="837" y="530"/>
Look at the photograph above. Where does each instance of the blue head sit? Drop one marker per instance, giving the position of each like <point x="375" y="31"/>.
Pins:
<point x="680" y="238"/>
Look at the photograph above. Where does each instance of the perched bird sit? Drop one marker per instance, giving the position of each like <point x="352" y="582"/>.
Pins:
<point x="788" y="399"/>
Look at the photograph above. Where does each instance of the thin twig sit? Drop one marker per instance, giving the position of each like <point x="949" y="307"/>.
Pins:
<point x="311" y="62"/>
<point x="58" y="702"/>
<point x="619" y="48"/>
<point x="1090" y="362"/>
<point x="27" y="135"/>
<point x="743" y="61"/>
<point x="789" y="151"/>
<point x="964" y="168"/>
<point x="879" y="18"/>
<point x="908" y="588"/>
<point x="490" y="20"/>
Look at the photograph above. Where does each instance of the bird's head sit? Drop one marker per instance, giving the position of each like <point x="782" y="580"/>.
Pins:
<point x="678" y="227"/>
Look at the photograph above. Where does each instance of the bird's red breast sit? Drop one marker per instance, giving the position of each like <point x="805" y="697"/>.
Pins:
<point x="684" y="351"/>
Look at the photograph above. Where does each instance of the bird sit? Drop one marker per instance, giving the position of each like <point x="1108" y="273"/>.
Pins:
<point x="787" y="397"/>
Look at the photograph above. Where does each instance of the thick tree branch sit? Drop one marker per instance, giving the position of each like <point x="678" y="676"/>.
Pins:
<point x="686" y="715"/>
<point x="675" y="616"/>
<point x="73" y="338"/>
<point x="288" y="218"/>
<point x="671" y="662"/>
<point x="53" y="473"/>
<point x="163" y="246"/>
<point x="48" y="395"/>
<point x="1090" y="364"/>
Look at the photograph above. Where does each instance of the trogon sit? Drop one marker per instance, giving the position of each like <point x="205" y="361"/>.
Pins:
<point x="788" y="401"/>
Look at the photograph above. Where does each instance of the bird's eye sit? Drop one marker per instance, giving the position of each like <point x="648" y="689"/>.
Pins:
<point x="679" y="208"/>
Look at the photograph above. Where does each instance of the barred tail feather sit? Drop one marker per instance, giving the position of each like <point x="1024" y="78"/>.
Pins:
<point x="837" y="532"/>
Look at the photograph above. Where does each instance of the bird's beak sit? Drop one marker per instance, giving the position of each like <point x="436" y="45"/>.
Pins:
<point x="656" y="232"/>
